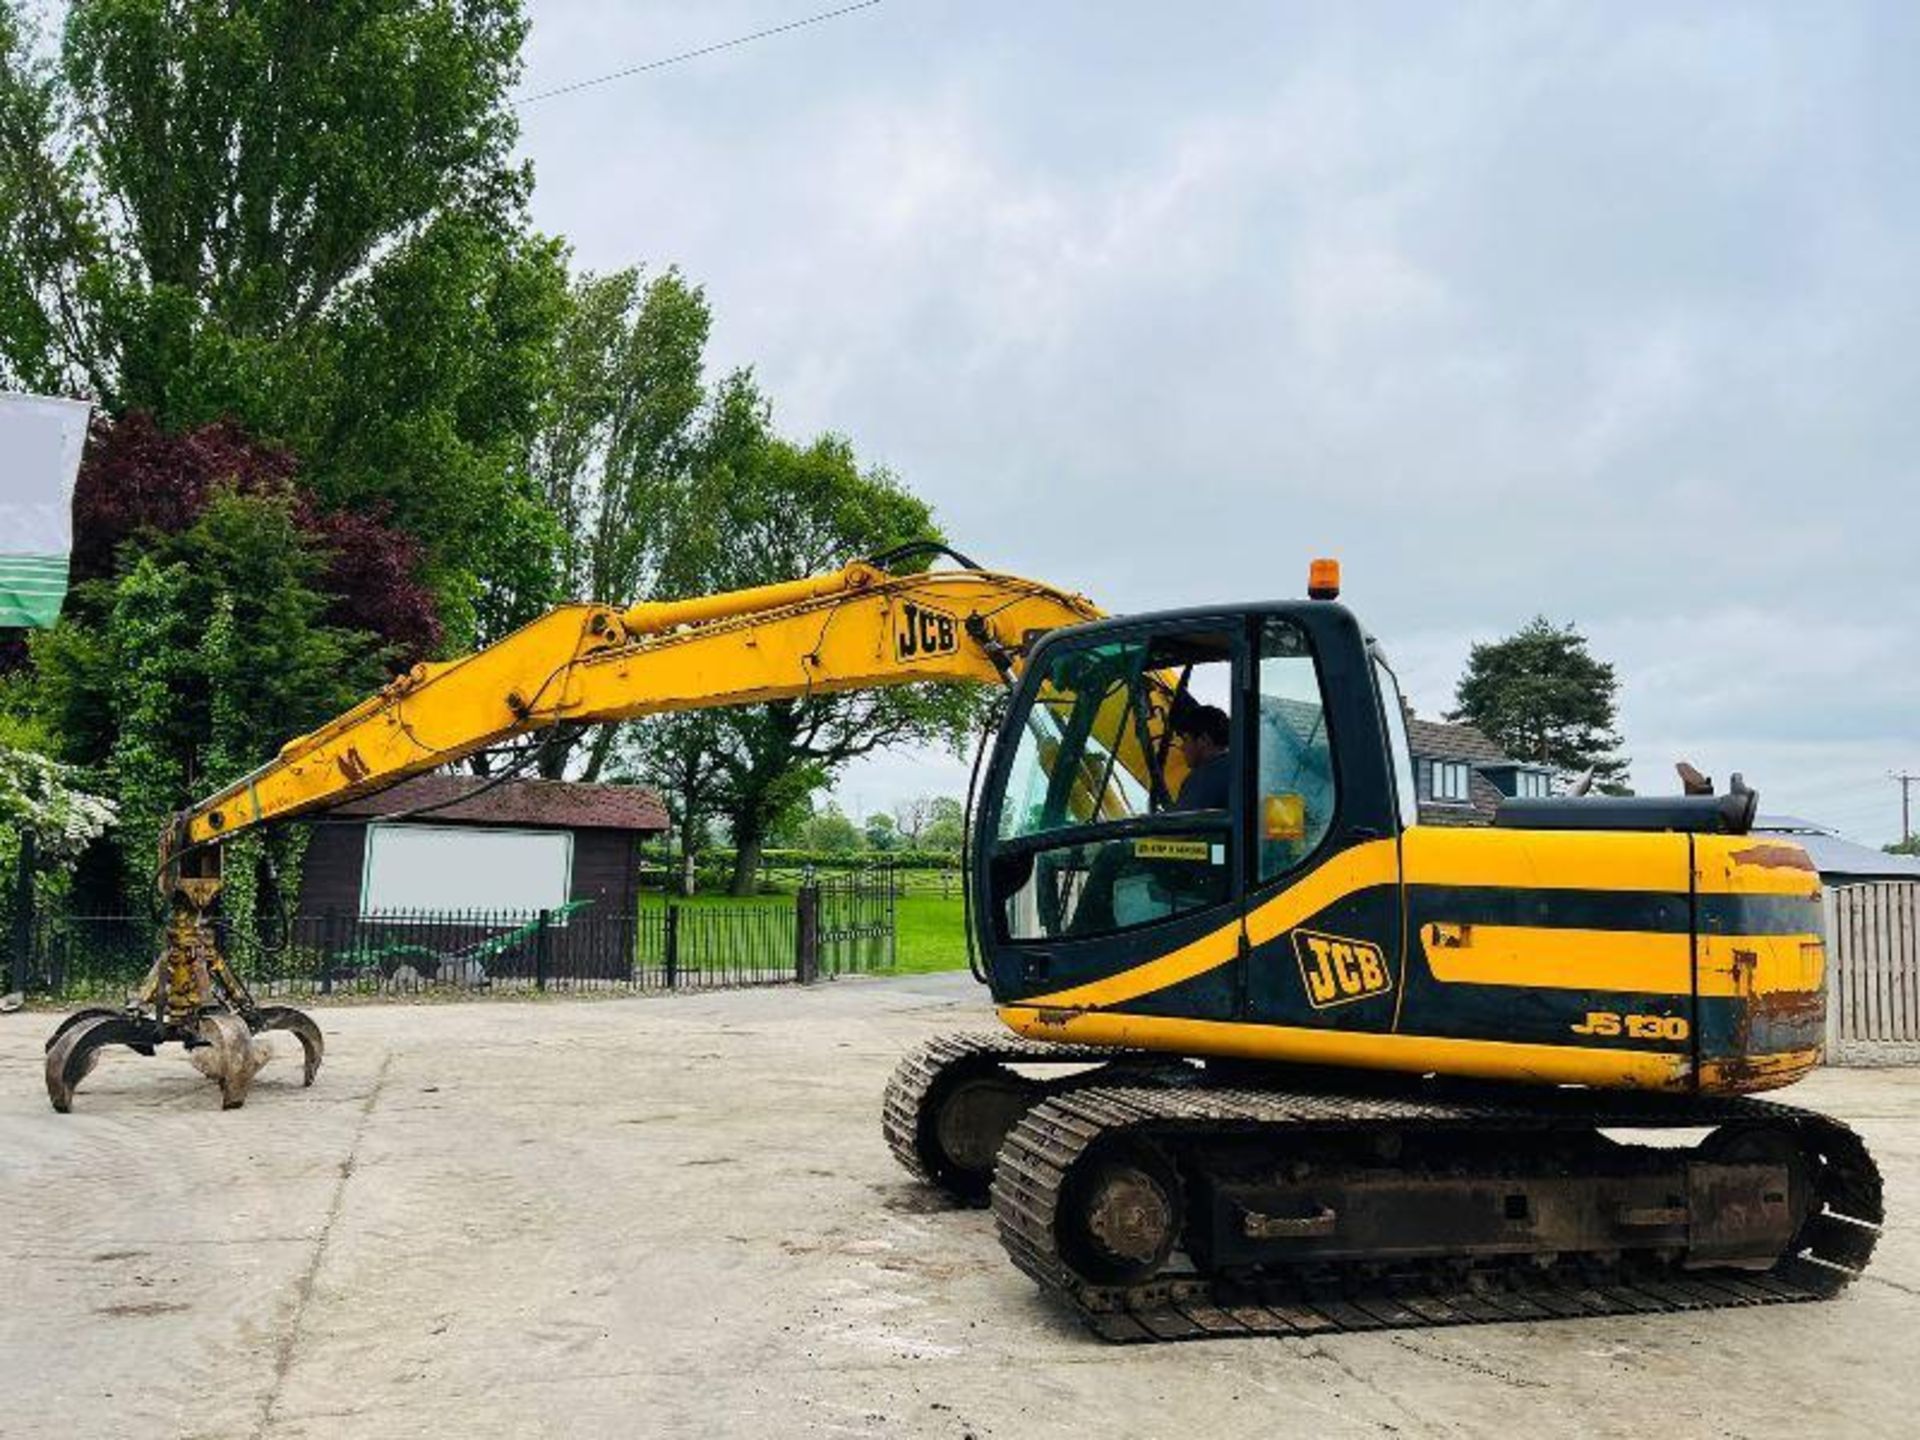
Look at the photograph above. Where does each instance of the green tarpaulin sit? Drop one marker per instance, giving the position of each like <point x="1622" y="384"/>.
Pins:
<point x="40" y="444"/>
<point x="31" y="589"/>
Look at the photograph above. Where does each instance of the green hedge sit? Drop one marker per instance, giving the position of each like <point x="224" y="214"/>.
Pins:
<point x="915" y="872"/>
<point x="819" y="859"/>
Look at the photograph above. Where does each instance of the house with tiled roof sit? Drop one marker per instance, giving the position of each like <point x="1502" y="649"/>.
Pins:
<point x="1461" y="776"/>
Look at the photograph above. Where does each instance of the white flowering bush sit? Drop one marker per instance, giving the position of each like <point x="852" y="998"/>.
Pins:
<point x="43" y="798"/>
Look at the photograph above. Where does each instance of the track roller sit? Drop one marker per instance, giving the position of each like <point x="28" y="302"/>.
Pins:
<point x="1124" y="1215"/>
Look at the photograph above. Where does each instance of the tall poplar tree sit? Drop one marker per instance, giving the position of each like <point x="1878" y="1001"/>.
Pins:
<point x="306" y="217"/>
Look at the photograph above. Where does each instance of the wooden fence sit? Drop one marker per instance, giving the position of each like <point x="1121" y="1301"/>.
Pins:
<point x="1873" y="972"/>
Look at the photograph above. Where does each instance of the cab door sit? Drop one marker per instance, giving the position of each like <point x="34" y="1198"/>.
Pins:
<point x="1323" y="912"/>
<point x="1109" y="877"/>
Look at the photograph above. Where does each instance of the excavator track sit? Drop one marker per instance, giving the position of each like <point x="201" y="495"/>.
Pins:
<point x="1043" y="1170"/>
<point x="911" y="1109"/>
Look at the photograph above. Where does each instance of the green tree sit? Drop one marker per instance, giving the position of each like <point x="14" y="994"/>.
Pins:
<point x="945" y="827"/>
<point x="931" y="822"/>
<point x="420" y="402"/>
<point x="1541" y="696"/>
<point x="195" y="663"/>
<point x="614" y="451"/>
<point x="678" y="755"/>
<point x="51" y="802"/>
<point x="829" y="832"/>
<point x="879" y="832"/>
<point x="786" y="831"/>
<point x="753" y="509"/>
<point x="911" y="818"/>
<point x="304" y="216"/>
<point x="620" y="431"/>
<point x="148" y="662"/>
<point x="1908" y="846"/>
<point x="48" y="810"/>
<point x="20" y="725"/>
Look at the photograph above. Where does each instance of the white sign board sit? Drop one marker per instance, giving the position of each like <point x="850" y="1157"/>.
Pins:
<point x="40" y="444"/>
<point x="453" y="868"/>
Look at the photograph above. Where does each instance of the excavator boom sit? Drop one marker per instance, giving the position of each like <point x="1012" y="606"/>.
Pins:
<point x="857" y="628"/>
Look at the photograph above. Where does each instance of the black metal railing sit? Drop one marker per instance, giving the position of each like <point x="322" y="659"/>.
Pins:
<point x="827" y="928"/>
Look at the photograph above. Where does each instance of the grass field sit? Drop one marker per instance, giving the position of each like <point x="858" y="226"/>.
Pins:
<point x="929" y="934"/>
<point x="929" y="931"/>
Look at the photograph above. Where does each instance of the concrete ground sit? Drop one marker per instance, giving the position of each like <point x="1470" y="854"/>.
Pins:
<point x="664" y="1217"/>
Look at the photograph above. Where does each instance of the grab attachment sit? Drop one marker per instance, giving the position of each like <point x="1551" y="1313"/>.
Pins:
<point x="223" y="1045"/>
<point x="192" y="996"/>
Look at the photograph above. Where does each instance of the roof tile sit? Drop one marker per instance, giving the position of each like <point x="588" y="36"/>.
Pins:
<point x="1433" y="739"/>
<point x="554" y="804"/>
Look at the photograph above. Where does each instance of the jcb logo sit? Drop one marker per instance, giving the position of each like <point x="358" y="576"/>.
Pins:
<point x="924" y="632"/>
<point x="1336" y="970"/>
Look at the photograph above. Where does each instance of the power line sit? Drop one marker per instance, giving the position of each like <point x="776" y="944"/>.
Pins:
<point x="1870" y="821"/>
<point x="660" y="64"/>
<point x="1859" y="787"/>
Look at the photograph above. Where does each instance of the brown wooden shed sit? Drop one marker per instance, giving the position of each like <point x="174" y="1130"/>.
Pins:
<point x="467" y="844"/>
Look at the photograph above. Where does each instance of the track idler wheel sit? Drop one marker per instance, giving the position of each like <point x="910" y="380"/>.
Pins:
<point x="967" y="1118"/>
<point x="301" y="1026"/>
<point x="75" y="1047"/>
<point x="1124" y="1216"/>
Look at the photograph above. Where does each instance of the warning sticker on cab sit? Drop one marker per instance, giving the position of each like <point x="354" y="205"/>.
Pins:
<point x="1153" y="849"/>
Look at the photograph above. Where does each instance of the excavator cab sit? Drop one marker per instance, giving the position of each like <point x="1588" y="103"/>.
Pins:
<point x="1099" y="887"/>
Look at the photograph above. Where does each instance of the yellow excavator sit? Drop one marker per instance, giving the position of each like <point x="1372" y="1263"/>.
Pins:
<point x="1278" y="1058"/>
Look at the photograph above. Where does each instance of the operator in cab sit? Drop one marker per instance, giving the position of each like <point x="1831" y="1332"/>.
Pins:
<point x="1203" y="733"/>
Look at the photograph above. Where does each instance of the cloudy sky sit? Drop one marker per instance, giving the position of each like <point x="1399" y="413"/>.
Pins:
<point x="1603" y="312"/>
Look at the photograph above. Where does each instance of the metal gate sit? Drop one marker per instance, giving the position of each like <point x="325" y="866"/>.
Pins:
<point x="1873" y="972"/>
<point x="857" y="918"/>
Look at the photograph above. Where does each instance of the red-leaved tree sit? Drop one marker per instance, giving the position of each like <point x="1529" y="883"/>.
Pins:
<point x="137" y="479"/>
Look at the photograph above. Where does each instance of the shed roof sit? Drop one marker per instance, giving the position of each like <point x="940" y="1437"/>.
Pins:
<point x="1834" y="856"/>
<point x="547" y="804"/>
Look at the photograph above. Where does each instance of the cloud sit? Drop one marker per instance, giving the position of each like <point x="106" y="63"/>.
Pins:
<point x="1555" y="308"/>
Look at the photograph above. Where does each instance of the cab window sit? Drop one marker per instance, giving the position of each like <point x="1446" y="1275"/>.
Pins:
<point x="1296" y="789"/>
<point x="1068" y="768"/>
<point x="1399" y="752"/>
<point x="1117" y="807"/>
